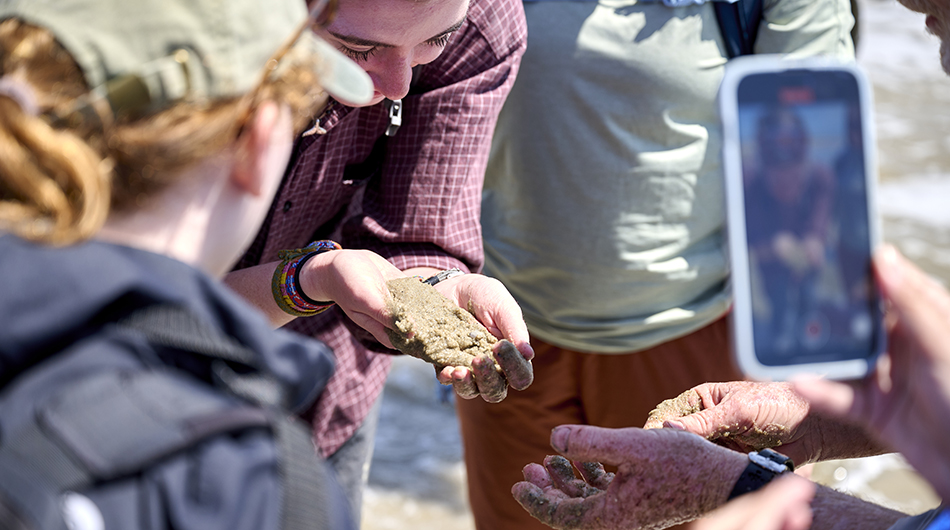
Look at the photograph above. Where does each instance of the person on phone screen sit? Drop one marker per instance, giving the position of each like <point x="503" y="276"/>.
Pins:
<point x="788" y="197"/>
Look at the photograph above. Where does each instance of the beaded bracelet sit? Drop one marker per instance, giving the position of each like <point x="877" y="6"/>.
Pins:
<point x="285" y="284"/>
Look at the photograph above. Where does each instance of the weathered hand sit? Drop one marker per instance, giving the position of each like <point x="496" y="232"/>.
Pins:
<point x="744" y="416"/>
<point x="782" y="505"/>
<point x="747" y="416"/>
<point x="907" y="400"/>
<point x="664" y="477"/>
<point x="492" y="305"/>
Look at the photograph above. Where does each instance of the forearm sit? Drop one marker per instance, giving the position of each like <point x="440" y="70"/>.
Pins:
<point x="842" y="440"/>
<point x="833" y="510"/>
<point x="254" y="285"/>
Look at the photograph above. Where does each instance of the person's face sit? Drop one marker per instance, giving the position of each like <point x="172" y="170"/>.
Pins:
<point x="938" y="23"/>
<point x="388" y="37"/>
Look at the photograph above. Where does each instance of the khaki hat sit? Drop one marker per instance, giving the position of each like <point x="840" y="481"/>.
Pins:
<point x="177" y="49"/>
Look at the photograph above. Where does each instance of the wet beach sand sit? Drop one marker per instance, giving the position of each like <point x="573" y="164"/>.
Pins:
<point x="417" y="479"/>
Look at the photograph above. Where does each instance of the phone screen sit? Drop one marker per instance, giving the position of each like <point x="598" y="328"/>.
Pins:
<point x="807" y="222"/>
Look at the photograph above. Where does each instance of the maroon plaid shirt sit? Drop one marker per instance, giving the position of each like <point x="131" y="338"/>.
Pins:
<point x="413" y="198"/>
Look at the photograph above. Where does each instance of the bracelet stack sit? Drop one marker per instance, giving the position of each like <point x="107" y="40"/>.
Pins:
<point x="285" y="284"/>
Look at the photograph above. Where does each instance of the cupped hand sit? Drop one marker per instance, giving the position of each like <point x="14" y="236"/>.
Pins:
<point x="664" y="477"/>
<point x="749" y="416"/>
<point x="492" y="305"/>
<point x="906" y="401"/>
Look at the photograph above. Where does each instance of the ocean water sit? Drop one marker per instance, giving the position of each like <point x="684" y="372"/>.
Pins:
<point x="417" y="479"/>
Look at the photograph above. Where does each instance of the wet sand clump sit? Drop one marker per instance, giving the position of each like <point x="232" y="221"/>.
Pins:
<point x="431" y="327"/>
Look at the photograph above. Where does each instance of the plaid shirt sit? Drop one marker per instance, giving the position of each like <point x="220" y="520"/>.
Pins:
<point x="412" y="198"/>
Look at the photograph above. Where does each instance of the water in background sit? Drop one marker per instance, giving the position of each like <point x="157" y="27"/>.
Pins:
<point x="417" y="480"/>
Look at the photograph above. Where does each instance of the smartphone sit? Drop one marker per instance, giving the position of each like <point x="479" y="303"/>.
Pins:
<point x="798" y="160"/>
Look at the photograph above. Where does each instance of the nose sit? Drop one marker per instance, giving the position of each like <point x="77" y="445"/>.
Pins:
<point x="392" y="76"/>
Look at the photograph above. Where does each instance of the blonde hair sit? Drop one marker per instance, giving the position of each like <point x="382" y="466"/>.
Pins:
<point x="58" y="183"/>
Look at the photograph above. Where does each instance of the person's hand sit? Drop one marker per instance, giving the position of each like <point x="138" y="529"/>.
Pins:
<point x="784" y="504"/>
<point x="906" y="401"/>
<point x="744" y="416"/>
<point x="749" y="416"/>
<point x="492" y="305"/>
<point x="664" y="477"/>
<point x="356" y="281"/>
<point x="790" y="251"/>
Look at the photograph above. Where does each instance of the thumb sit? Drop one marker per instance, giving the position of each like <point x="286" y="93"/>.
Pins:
<point x="586" y="443"/>
<point x="836" y="399"/>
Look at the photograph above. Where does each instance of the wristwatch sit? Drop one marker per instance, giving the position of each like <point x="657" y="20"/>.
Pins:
<point x="442" y="276"/>
<point x="763" y="466"/>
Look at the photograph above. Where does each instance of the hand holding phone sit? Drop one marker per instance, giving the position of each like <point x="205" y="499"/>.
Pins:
<point x="798" y="163"/>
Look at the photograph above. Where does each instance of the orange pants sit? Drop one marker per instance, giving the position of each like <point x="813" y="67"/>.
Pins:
<point x="581" y="388"/>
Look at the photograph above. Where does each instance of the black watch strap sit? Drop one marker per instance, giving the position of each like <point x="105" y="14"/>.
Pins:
<point x="763" y="466"/>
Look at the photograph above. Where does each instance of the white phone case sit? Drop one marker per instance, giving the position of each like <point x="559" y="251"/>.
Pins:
<point x="741" y="318"/>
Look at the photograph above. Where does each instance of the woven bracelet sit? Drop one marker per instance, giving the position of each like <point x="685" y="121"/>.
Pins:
<point x="285" y="284"/>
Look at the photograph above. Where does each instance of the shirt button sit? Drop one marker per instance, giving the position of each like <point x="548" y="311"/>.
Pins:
<point x="287" y="206"/>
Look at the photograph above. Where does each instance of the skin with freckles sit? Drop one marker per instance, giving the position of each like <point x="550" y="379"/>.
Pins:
<point x="388" y="37"/>
<point x="667" y="477"/>
<point x="783" y="505"/>
<point x="664" y="477"/>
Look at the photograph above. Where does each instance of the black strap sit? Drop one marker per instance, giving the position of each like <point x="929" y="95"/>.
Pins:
<point x="177" y="328"/>
<point x="739" y="24"/>
<point x="304" y="496"/>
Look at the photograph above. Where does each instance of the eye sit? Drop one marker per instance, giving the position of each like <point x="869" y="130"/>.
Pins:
<point x="440" y="41"/>
<point x="358" y="55"/>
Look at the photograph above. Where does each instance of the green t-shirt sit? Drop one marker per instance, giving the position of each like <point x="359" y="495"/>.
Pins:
<point x="603" y="205"/>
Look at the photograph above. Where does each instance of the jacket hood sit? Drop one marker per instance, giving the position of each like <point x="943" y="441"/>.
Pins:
<point x="52" y="297"/>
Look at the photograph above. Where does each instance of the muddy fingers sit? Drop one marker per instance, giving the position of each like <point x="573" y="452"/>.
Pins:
<point x="594" y="474"/>
<point x="517" y="369"/>
<point x="491" y="384"/>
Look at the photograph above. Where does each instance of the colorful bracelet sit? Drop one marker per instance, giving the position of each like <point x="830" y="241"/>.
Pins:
<point x="285" y="284"/>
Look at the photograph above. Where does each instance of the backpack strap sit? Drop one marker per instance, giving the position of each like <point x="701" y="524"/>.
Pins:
<point x="117" y="423"/>
<point x="739" y="24"/>
<point x="176" y="328"/>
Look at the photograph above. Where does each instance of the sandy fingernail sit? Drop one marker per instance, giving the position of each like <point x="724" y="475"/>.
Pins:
<point x="671" y="424"/>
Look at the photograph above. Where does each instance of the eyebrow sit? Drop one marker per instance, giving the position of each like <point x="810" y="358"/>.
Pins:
<point x="359" y="41"/>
